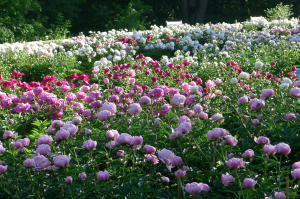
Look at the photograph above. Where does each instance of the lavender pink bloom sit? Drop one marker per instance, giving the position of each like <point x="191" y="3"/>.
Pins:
<point x="145" y="100"/>
<point x="242" y="100"/>
<point x="121" y="153"/>
<point x="44" y="139"/>
<point x="152" y="158"/>
<point x="230" y="140"/>
<point x="89" y="144"/>
<point x="62" y="135"/>
<point x="134" y="108"/>
<point x="112" y="134"/>
<point x="149" y="149"/>
<point x="235" y="163"/>
<point x="102" y="175"/>
<point x="296" y="174"/>
<point x="9" y="134"/>
<point x="216" y="133"/>
<point x="283" y="148"/>
<point x="2" y="168"/>
<point x="166" y="156"/>
<point x="217" y="116"/>
<point x="177" y="161"/>
<point x="61" y="160"/>
<point x="249" y="183"/>
<point x="165" y="179"/>
<point x="69" y="180"/>
<point x="279" y="195"/>
<point x="82" y="176"/>
<point x="180" y="173"/>
<point x="43" y="149"/>
<point x="269" y="149"/>
<point x="41" y="162"/>
<point x="103" y="115"/>
<point x="248" y="153"/>
<point x="256" y="104"/>
<point x="226" y="179"/>
<point x="262" y="140"/>
<point x="124" y="138"/>
<point x="267" y="93"/>
<point x="195" y="188"/>
<point x="295" y="92"/>
<point x="28" y="163"/>
<point x="111" y="107"/>
<point x="203" y="115"/>
<point x="289" y="116"/>
<point x="296" y="165"/>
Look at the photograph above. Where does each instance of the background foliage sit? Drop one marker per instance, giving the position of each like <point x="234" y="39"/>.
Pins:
<point x="24" y="20"/>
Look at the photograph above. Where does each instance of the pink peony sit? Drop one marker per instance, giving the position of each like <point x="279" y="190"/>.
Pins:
<point x="69" y="180"/>
<point x="28" y="163"/>
<point x="44" y="139"/>
<point x="43" y="149"/>
<point x="216" y="133"/>
<point x="235" y="163"/>
<point x="296" y="174"/>
<point x="248" y="153"/>
<point x="112" y="134"/>
<point x="267" y="93"/>
<point x="279" y="195"/>
<point x="166" y="156"/>
<point x="178" y="99"/>
<point x="269" y="149"/>
<point x="2" y="168"/>
<point x="152" y="158"/>
<point x="249" y="183"/>
<point x="109" y="107"/>
<point x="243" y="99"/>
<point x="90" y="144"/>
<point x="229" y="139"/>
<point x="296" y="165"/>
<point x="102" y="175"/>
<point x="256" y="104"/>
<point x="295" y="92"/>
<point x="121" y="153"/>
<point x="124" y="138"/>
<point x="149" y="149"/>
<point x="165" y="179"/>
<point x="283" y="148"/>
<point x="177" y="161"/>
<point x="62" y="135"/>
<point x="203" y="116"/>
<point x="61" y="160"/>
<point x="145" y="100"/>
<point x="262" y="140"/>
<point x="41" y="162"/>
<point x="82" y="176"/>
<point x="134" y="108"/>
<point x="289" y="116"/>
<point x="103" y="115"/>
<point x="226" y="179"/>
<point x="217" y="116"/>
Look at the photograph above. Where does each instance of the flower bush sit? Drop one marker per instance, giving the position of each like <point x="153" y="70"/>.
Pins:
<point x="218" y="119"/>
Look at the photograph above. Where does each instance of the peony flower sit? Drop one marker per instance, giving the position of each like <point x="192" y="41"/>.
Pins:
<point x="283" y="148"/>
<point x="235" y="163"/>
<point x="229" y="139"/>
<point x="112" y="134"/>
<point x="103" y="115"/>
<point x="43" y="149"/>
<point x="145" y="100"/>
<point x="296" y="165"/>
<point x="296" y="174"/>
<point x="203" y="116"/>
<point x="216" y="133"/>
<point x="71" y="128"/>
<point x="249" y="183"/>
<point x="82" y="176"/>
<point x="184" y="127"/>
<point x="165" y="179"/>
<point x="152" y="158"/>
<point x="180" y="173"/>
<point x="289" y="116"/>
<point x="267" y="93"/>
<point x="89" y="144"/>
<point x="111" y="107"/>
<point x="44" y="139"/>
<point x="178" y="99"/>
<point x="124" y="138"/>
<point x="248" y="153"/>
<point x="256" y="104"/>
<point x="262" y="140"/>
<point x="2" y="168"/>
<point x="258" y="65"/>
<point x="134" y="108"/>
<point x="177" y="161"/>
<point x="9" y="134"/>
<point x="121" y="153"/>
<point x="244" y="75"/>
<point x="28" y="163"/>
<point x="149" y="149"/>
<point x="295" y="92"/>
<point x="217" y="116"/>
<point x="243" y="99"/>
<point x="269" y="149"/>
<point x="62" y="135"/>
<point x="41" y="162"/>
<point x="226" y="179"/>
<point x="166" y="156"/>
<point x="69" y="180"/>
<point x="102" y="175"/>
<point x="137" y="140"/>
<point x="279" y="195"/>
<point x="61" y="160"/>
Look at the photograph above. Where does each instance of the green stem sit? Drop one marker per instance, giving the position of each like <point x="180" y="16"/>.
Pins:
<point x="240" y="183"/>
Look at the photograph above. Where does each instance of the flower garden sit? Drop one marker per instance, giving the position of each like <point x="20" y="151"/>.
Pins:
<point x="204" y="111"/>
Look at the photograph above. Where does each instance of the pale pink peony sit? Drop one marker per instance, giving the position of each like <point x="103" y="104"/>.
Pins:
<point x="62" y="135"/>
<point x="103" y="115"/>
<point x="243" y="99"/>
<point x="109" y="107"/>
<point x="44" y="139"/>
<point x="41" y="162"/>
<point x="89" y="144"/>
<point x="145" y="100"/>
<point x="178" y="99"/>
<point x="267" y="93"/>
<point x="112" y="134"/>
<point x="102" y="175"/>
<point x="166" y="156"/>
<point x="134" y="108"/>
<point x="269" y="149"/>
<point x="216" y="133"/>
<point x="226" y="179"/>
<point x="295" y="92"/>
<point x="28" y="163"/>
<point x="43" y="149"/>
<point x="152" y="158"/>
<point x="296" y="174"/>
<point x="61" y="160"/>
<point x="69" y="180"/>
<point x="248" y="153"/>
<point x="283" y="148"/>
<point x="149" y="149"/>
<point x="249" y="183"/>
<point x="235" y="163"/>
<point x="262" y="140"/>
<point x="124" y="138"/>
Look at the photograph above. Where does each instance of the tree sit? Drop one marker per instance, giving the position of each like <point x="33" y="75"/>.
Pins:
<point x="193" y="11"/>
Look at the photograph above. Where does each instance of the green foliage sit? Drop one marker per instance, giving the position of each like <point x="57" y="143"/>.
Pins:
<point x="279" y="12"/>
<point x="60" y="28"/>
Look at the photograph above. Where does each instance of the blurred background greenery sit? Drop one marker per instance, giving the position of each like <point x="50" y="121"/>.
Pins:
<point x="28" y="20"/>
